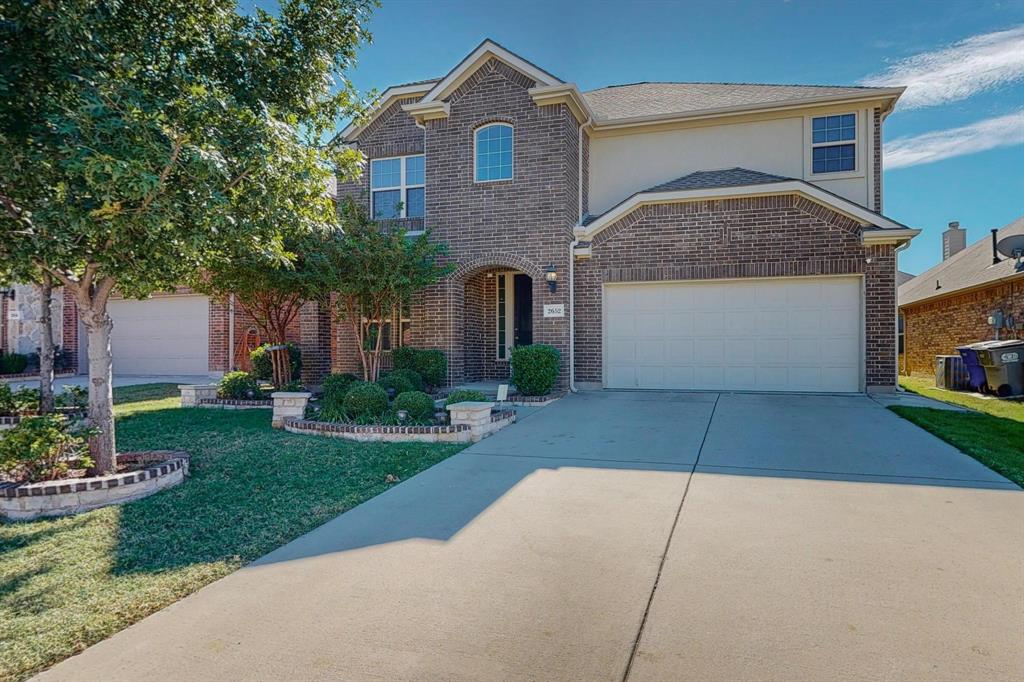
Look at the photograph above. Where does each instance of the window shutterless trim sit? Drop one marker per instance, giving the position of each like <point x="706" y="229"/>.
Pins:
<point x="854" y="143"/>
<point x="402" y="187"/>
<point x="476" y="131"/>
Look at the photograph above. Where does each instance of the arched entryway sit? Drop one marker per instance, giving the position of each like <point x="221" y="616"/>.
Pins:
<point x="494" y="299"/>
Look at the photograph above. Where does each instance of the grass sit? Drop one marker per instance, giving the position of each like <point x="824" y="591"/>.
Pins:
<point x="993" y="434"/>
<point x="70" y="582"/>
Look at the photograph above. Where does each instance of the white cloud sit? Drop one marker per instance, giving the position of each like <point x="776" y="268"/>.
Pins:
<point x="953" y="73"/>
<point x="1001" y="131"/>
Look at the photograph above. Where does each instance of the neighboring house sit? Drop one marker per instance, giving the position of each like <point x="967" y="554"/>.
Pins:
<point x="660" y="235"/>
<point x="950" y="304"/>
<point x="20" y="331"/>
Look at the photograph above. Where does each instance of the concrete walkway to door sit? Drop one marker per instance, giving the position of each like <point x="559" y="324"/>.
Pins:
<point x="640" y="536"/>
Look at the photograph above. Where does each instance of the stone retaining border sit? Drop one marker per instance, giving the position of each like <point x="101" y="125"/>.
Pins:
<point x="446" y="433"/>
<point x="29" y="376"/>
<point x="11" y="420"/>
<point x="26" y="501"/>
<point x="232" y="404"/>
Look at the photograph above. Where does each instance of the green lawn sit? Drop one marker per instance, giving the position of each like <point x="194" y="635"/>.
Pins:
<point x="70" y="582"/>
<point x="993" y="435"/>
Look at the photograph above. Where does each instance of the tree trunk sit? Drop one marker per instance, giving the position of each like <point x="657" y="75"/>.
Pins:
<point x="46" y="345"/>
<point x="98" y="326"/>
<point x="281" y="364"/>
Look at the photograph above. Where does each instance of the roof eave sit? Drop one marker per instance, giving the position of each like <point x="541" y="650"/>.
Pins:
<point x="887" y="95"/>
<point x="884" y="230"/>
<point x="961" y="290"/>
<point x="386" y="99"/>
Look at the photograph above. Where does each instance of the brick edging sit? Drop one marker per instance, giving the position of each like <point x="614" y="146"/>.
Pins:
<point x="231" y="402"/>
<point x="168" y="461"/>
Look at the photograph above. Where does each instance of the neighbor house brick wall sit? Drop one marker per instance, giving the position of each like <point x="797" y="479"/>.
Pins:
<point x="777" y="236"/>
<point x="938" y="326"/>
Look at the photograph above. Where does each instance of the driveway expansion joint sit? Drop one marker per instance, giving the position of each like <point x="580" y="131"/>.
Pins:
<point x="668" y="544"/>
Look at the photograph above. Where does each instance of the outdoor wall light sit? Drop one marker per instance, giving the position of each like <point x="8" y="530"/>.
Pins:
<point x="6" y="293"/>
<point x="551" y="277"/>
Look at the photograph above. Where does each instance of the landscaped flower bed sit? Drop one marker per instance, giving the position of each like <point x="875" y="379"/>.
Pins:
<point x="140" y="474"/>
<point x="460" y="432"/>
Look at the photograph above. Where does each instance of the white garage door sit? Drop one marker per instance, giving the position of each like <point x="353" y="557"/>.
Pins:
<point x="161" y="336"/>
<point x="798" y="334"/>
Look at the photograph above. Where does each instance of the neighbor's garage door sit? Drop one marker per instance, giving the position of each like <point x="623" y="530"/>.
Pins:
<point x="799" y="334"/>
<point x="165" y="335"/>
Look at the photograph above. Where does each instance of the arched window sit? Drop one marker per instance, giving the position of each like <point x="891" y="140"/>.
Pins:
<point x="493" y="152"/>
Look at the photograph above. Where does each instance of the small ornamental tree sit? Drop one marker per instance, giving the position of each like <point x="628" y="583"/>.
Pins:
<point x="375" y="270"/>
<point x="271" y="291"/>
<point x="142" y="142"/>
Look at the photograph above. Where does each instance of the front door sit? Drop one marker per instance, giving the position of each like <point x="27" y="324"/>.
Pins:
<point x="523" y="315"/>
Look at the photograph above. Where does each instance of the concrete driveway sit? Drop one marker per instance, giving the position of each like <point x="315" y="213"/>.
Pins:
<point x="640" y="536"/>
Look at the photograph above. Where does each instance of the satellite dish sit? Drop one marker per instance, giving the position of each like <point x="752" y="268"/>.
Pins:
<point x="1012" y="246"/>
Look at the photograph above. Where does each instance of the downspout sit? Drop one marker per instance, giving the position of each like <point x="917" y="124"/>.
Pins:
<point x="572" y="256"/>
<point x="231" y="333"/>
<point x="896" y="297"/>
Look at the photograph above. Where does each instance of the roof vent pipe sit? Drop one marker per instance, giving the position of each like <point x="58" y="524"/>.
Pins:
<point x="995" y="251"/>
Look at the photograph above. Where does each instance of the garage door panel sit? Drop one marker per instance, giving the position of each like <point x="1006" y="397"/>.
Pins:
<point x="800" y="334"/>
<point x="160" y="336"/>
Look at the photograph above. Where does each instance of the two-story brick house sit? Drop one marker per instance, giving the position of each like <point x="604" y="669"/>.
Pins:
<point x="660" y="235"/>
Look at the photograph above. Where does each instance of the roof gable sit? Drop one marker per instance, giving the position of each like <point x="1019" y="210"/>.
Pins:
<point x="740" y="182"/>
<point x="487" y="50"/>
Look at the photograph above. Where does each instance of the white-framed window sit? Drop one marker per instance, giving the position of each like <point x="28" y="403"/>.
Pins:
<point x="492" y="152"/>
<point x="397" y="187"/>
<point x="394" y="336"/>
<point x="834" y="143"/>
<point x="900" y="333"/>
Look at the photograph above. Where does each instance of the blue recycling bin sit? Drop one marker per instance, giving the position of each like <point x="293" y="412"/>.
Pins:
<point x="975" y="372"/>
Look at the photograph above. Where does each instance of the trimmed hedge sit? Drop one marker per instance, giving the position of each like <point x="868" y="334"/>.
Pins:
<point x="418" y="404"/>
<point x="262" y="368"/>
<point x="410" y="375"/>
<point x="404" y="357"/>
<point x="464" y="395"/>
<point x="13" y="363"/>
<point x="239" y="386"/>
<point x="432" y="366"/>
<point x="395" y="382"/>
<point x="365" y="400"/>
<point x="335" y="387"/>
<point x="535" y="368"/>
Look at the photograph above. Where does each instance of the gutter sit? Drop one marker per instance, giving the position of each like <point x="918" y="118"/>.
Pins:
<point x="572" y="256"/>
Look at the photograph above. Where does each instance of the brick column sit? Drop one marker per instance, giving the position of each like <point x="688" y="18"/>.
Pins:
<point x="315" y="341"/>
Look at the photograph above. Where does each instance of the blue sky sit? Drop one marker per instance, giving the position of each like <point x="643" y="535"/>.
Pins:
<point x="964" y="61"/>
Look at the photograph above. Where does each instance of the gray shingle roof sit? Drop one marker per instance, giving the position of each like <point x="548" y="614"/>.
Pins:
<point x="970" y="268"/>
<point x="728" y="177"/>
<point x="654" y="99"/>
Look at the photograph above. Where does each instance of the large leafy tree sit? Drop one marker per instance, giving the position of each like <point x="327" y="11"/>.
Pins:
<point x="375" y="269"/>
<point x="143" y="141"/>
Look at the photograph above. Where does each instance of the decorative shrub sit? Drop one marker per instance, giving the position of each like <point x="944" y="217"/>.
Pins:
<point x="418" y="404"/>
<point x="73" y="396"/>
<point x="262" y="367"/>
<point x="13" y="363"/>
<point x="43" y="448"/>
<point x="239" y="386"/>
<point x="292" y="387"/>
<point x="410" y="375"/>
<point x="465" y="396"/>
<point x="365" y="400"/>
<point x="395" y="382"/>
<point x="535" y="368"/>
<point x="432" y="366"/>
<point x="404" y="357"/>
<point x="7" y="404"/>
<point x="335" y="387"/>
<point x="26" y="400"/>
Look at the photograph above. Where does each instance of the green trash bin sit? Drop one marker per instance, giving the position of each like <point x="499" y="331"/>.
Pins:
<point x="1004" y="367"/>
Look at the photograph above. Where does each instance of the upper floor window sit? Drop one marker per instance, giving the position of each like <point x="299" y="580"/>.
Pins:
<point x="834" y="143"/>
<point x="396" y="187"/>
<point x="493" y="149"/>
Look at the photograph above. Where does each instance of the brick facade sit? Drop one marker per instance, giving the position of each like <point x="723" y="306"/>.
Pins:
<point x="779" y="236"/>
<point x="938" y="326"/>
<point x="526" y="225"/>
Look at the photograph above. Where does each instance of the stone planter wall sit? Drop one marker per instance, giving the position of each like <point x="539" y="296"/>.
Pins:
<point x="26" y="501"/>
<point x="288" y="405"/>
<point x="232" y="404"/>
<point x="470" y="423"/>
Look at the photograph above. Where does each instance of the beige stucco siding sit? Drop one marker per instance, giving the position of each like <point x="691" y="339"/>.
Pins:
<point x="636" y="159"/>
